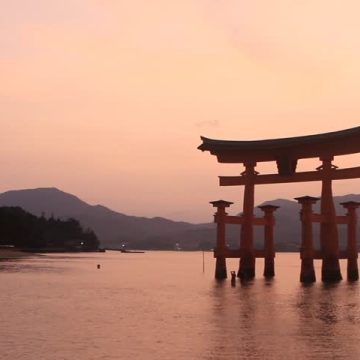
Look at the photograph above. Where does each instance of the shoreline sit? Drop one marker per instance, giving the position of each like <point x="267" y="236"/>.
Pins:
<point x="12" y="253"/>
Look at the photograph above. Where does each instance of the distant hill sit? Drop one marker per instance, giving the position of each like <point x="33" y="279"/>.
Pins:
<point x="114" y="229"/>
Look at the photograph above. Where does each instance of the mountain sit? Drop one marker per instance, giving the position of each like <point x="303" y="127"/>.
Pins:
<point x="114" y="229"/>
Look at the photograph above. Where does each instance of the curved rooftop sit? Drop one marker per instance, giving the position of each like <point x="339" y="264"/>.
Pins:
<point x="293" y="148"/>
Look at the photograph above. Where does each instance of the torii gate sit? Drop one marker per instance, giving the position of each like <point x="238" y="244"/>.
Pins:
<point x="286" y="152"/>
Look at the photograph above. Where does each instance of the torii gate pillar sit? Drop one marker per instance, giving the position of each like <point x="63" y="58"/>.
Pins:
<point x="352" y="251"/>
<point x="219" y="217"/>
<point x="307" y="274"/>
<point x="269" y="250"/>
<point x="247" y="260"/>
<point x="329" y="239"/>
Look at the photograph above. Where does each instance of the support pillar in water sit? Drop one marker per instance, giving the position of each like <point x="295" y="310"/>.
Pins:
<point x="307" y="273"/>
<point x="330" y="271"/>
<point x="352" y="252"/>
<point x="219" y="218"/>
<point x="269" y="270"/>
<point x="247" y="260"/>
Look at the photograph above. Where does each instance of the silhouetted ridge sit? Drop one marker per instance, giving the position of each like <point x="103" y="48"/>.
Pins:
<point x="112" y="228"/>
<point x="27" y="231"/>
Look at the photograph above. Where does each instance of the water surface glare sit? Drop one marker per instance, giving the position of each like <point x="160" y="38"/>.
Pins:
<point x="160" y="305"/>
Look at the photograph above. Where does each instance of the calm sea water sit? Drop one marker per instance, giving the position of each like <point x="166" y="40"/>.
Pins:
<point x="160" y="305"/>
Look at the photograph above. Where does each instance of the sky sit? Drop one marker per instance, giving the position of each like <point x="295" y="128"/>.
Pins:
<point x="107" y="99"/>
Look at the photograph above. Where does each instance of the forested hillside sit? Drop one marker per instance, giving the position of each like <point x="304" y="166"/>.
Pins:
<point x="24" y="230"/>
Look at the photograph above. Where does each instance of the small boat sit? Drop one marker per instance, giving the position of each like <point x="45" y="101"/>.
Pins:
<point x="131" y="251"/>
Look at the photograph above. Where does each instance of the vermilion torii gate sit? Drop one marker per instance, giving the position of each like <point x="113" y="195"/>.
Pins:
<point x="286" y="152"/>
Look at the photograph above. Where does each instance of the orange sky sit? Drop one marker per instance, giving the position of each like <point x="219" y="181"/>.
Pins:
<point x="107" y="99"/>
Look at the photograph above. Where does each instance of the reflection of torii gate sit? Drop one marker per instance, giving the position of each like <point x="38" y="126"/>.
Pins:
<point x="286" y="152"/>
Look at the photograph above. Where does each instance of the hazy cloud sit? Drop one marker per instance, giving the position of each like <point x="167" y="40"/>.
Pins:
<point x="207" y="123"/>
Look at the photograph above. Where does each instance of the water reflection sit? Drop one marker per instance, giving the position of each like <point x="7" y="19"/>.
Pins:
<point x="326" y="322"/>
<point x="154" y="307"/>
<point x="240" y="323"/>
<point x="265" y="321"/>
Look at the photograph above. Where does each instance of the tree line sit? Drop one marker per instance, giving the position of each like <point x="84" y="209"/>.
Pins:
<point x="25" y="230"/>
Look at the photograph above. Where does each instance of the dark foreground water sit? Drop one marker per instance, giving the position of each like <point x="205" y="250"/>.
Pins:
<point x="160" y="305"/>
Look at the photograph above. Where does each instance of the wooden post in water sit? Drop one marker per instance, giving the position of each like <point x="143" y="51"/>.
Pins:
<point x="269" y="251"/>
<point x="352" y="252"/>
<point x="203" y="261"/>
<point x="307" y="273"/>
<point x="219" y="219"/>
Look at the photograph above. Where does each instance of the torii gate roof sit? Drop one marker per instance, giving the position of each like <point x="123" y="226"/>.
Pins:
<point x="294" y="148"/>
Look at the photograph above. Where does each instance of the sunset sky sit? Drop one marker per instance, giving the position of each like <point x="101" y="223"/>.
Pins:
<point x="107" y="99"/>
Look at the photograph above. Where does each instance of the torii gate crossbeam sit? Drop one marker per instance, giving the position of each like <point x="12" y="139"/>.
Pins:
<point x="305" y="176"/>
